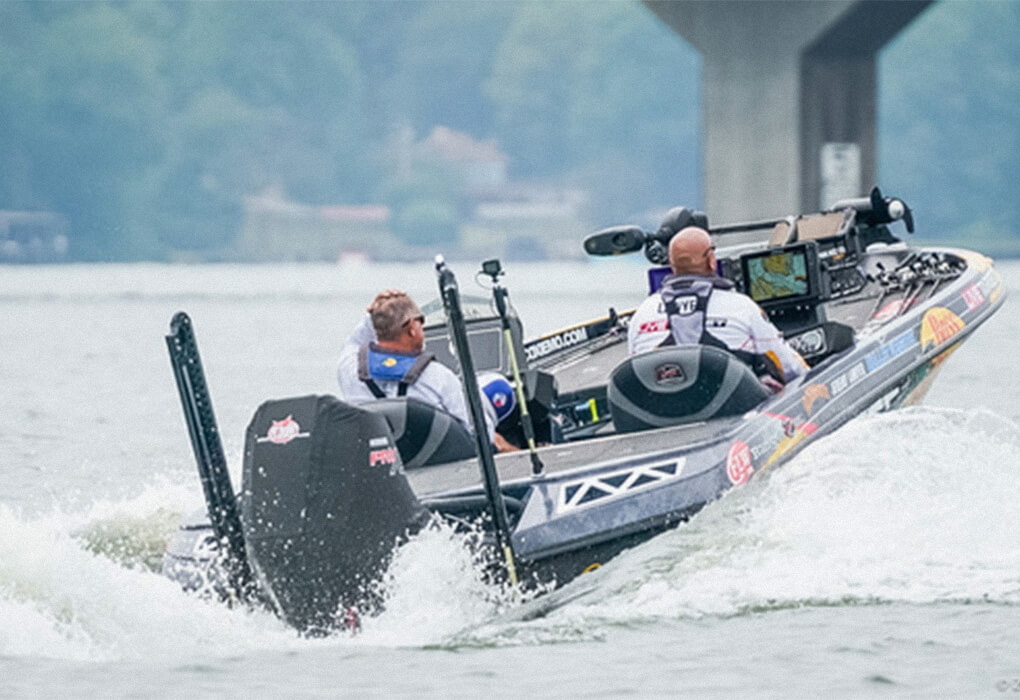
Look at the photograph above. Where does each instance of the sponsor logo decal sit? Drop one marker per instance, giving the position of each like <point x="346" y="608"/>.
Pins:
<point x="379" y="442"/>
<point x="390" y="362"/>
<point x="738" y="463"/>
<point x="890" y="351"/>
<point x="685" y="306"/>
<point x="655" y="326"/>
<point x="973" y="296"/>
<point x="938" y="326"/>
<point x="499" y="399"/>
<point x="814" y="393"/>
<point x="848" y="379"/>
<point x="669" y="373"/>
<point x="386" y="457"/>
<point x="796" y="431"/>
<point x="283" y="431"/>
<point x="546" y="346"/>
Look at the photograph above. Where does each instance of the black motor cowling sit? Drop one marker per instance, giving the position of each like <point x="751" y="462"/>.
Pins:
<point x="324" y="503"/>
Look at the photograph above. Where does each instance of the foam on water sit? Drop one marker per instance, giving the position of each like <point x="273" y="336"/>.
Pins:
<point x="916" y="506"/>
<point x="66" y="592"/>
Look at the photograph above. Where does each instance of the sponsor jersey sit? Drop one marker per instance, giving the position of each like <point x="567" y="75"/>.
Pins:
<point x="726" y="315"/>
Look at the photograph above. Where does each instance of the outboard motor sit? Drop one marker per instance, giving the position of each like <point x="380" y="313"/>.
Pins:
<point x="324" y="503"/>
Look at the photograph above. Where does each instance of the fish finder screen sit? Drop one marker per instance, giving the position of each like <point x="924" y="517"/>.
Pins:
<point x="777" y="275"/>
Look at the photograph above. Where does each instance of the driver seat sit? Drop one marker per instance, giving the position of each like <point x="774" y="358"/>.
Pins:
<point x="680" y="384"/>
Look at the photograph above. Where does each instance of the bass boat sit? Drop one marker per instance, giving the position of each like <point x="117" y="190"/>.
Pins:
<point x="618" y="448"/>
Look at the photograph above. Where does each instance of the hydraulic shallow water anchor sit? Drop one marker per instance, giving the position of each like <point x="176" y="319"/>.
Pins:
<point x="212" y="463"/>
<point x="450" y="294"/>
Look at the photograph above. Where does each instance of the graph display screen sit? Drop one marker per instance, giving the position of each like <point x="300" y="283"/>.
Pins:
<point x="781" y="274"/>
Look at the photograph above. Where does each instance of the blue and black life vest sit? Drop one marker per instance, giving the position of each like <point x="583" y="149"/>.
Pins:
<point x="376" y="363"/>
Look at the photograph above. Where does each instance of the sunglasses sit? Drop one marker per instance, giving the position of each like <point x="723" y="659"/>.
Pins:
<point x="419" y="319"/>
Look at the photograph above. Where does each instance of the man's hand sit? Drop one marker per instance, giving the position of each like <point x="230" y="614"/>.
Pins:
<point x="502" y="445"/>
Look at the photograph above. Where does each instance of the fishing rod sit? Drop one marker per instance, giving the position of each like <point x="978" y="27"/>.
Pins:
<point x="493" y="269"/>
<point x="212" y="463"/>
<point x="450" y="295"/>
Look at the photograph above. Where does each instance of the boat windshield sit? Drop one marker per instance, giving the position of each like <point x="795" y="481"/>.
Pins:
<point x="473" y="307"/>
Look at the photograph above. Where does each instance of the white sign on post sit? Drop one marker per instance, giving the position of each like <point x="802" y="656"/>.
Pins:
<point x="841" y="173"/>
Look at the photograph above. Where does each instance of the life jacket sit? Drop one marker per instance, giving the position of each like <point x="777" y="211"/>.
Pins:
<point x="685" y="299"/>
<point x="376" y="363"/>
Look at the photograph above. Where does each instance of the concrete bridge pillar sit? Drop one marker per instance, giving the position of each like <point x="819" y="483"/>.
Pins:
<point x="787" y="87"/>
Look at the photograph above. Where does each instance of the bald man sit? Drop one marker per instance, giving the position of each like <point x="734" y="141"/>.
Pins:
<point x="697" y="307"/>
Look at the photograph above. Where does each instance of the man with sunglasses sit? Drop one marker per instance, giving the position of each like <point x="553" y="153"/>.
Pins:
<point x="383" y="358"/>
<point x="697" y="307"/>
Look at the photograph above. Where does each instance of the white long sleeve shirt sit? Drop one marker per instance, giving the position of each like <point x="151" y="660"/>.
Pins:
<point x="437" y="386"/>
<point x="730" y="317"/>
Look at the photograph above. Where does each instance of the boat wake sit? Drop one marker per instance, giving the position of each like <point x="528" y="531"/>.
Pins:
<point x="916" y="506"/>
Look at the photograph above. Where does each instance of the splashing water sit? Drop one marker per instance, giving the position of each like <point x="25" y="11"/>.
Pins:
<point x="916" y="506"/>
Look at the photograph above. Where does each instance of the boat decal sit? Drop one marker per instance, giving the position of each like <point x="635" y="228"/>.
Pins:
<point x="283" y="431"/>
<point x="973" y="296"/>
<point x="657" y="325"/>
<point x="669" y="373"/>
<point x="738" y="463"/>
<point x="848" y="379"/>
<point x="549" y="345"/>
<point x="788" y="432"/>
<point x="599" y="488"/>
<point x="386" y="456"/>
<point x="887" y="352"/>
<point x="939" y="325"/>
<point x="991" y="285"/>
<point x="813" y="393"/>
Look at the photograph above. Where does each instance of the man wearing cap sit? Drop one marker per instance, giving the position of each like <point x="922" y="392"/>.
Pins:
<point x="695" y="306"/>
<point x="383" y="358"/>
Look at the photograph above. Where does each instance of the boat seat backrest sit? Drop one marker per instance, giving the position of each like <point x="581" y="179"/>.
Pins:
<point x="685" y="384"/>
<point x="424" y="434"/>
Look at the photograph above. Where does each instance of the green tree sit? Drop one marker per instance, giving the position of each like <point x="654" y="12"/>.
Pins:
<point x="83" y="88"/>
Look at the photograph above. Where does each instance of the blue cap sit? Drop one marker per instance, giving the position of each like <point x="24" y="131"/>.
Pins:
<point x="499" y="392"/>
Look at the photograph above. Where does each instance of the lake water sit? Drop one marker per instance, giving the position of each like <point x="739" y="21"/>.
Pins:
<point x="882" y="561"/>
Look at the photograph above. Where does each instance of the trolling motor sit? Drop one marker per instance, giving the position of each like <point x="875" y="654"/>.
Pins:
<point x="875" y="210"/>
<point x="493" y="269"/>
<point x="619" y="240"/>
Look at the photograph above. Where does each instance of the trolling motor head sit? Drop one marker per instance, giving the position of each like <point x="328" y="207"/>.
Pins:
<point x="875" y="210"/>
<point x="618" y="240"/>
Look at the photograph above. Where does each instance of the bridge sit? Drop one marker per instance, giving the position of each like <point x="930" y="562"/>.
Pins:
<point x="788" y="95"/>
